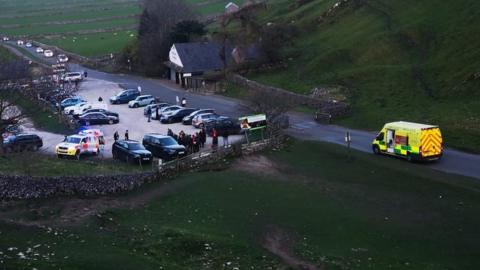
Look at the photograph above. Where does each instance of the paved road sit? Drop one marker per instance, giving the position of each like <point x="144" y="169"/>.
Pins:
<point x="302" y="127"/>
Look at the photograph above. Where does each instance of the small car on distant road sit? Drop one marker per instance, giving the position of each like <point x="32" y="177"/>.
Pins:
<point x="164" y="147"/>
<point x="39" y="50"/>
<point x="72" y="76"/>
<point x="62" y="58"/>
<point x="48" y="53"/>
<point x="20" y="42"/>
<point x="141" y="101"/>
<point x="125" y="96"/>
<point x="131" y="152"/>
<point x="28" y="45"/>
<point x="5" y="39"/>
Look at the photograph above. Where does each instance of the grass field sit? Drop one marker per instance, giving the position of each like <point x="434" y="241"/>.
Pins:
<point x="402" y="60"/>
<point x="367" y="212"/>
<point x="5" y="55"/>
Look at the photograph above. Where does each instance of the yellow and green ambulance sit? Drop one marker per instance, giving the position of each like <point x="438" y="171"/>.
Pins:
<point x="412" y="141"/>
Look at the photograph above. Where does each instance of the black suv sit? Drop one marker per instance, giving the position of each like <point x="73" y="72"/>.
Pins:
<point x="125" y="96"/>
<point x="187" y="120"/>
<point x="131" y="152"/>
<point x="176" y="116"/>
<point x="164" y="147"/>
<point x="22" y="142"/>
<point x="223" y="125"/>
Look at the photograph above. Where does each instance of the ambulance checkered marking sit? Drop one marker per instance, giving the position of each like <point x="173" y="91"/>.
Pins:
<point x="431" y="142"/>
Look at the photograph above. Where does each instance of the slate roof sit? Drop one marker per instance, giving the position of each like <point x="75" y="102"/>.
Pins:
<point x="200" y="56"/>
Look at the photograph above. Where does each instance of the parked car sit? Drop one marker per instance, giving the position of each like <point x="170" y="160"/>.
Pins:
<point x="154" y="107"/>
<point x="163" y="147"/>
<point x="72" y="76"/>
<point x="141" y="101"/>
<point x="77" y="109"/>
<point x="131" y="152"/>
<point x="125" y="96"/>
<point x="70" y="102"/>
<point x="164" y="110"/>
<point x="39" y="50"/>
<point x="100" y="110"/>
<point x="223" y="125"/>
<point x="176" y="116"/>
<point x="77" y="145"/>
<point x="22" y="142"/>
<point x="187" y="120"/>
<point x="20" y="42"/>
<point x="48" y="53"/>
<point x="199" y="120"/>
<point x="62" y="58"/>
<point x="28" y="45"/>
<point x="97" y="119"/>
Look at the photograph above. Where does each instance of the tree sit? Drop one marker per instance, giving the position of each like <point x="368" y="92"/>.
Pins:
<point x="14" y="70"/>
<point x="154" y="32"/>
<point x="186" y="31"/>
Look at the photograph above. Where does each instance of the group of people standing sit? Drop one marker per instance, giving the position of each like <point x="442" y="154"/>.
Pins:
<point x="192" y="142"/>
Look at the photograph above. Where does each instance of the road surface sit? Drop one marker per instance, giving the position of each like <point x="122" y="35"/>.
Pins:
<point x="302" y="125"/>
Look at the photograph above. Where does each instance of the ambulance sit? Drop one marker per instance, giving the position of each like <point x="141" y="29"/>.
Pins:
<point x="412" y="141"/>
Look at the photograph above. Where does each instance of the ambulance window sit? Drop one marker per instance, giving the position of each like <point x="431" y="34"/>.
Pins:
<point x="380" y="136"/>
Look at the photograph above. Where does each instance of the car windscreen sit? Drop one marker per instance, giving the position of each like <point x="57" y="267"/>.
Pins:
<point x="135" y="146"/>
<point x="167" y="141"/>
<point x="72" y="140"/>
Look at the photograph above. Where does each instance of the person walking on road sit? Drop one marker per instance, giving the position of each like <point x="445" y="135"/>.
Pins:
<point x="116" y="136"/>
<point x="202" y="137"/>
<point x="149" y="113"/>
<point x="184" y="102"/>
<point x="126" y="135"/>
<point x="100" y="99"/>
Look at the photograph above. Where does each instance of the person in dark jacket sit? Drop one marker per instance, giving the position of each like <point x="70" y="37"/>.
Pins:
<point x="202" y="137"/>
<point x="126" y="135"/>
<point x="225" y="139"/>
<point x="149" y="113"/>
<point x="170" y="133"/>
<point x="116" y="136"/>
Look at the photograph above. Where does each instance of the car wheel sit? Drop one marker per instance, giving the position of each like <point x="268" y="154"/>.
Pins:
<point x="409" y="157"/>
<point x="202" y="125"/>
<point x="71" y="112"/>
<point x="376" y="150"/>
<point x="135" y="105"/>
<point x="59" y="156"/>
<point x="34" y="148"/>
<point x="152" y="102"/>
<point x="110" y="122"/>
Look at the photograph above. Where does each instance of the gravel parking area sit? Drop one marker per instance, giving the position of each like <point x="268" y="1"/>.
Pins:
<point x="131" y="119"/>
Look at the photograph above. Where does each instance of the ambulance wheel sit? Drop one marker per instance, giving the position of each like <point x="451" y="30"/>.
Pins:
<point x="376" y="150"/>
<point x="409" y="157"/>
<point x="77" y="155"/>
<point x="97" y="152"/>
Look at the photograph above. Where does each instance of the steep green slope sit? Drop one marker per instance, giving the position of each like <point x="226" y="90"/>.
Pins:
<point x="412" y="60"/>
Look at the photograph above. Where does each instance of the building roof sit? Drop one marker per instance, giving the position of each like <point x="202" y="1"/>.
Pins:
<point x="410" y="125"/>
<point x="200" y="56"/>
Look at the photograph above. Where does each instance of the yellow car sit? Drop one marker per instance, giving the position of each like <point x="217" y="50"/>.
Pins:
<point x="77" y="145"/>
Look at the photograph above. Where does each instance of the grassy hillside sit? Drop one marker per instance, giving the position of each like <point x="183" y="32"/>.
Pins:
<point x="395" y="216"/>
<point x="402" y="60"/>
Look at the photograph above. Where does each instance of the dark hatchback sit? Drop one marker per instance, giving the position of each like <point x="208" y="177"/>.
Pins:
<point x="131" y="152"/>
<point x="125" y="96"/>
<point x="164" y="147"/>
<point x="22" y="142"/>
<point x="223" y="125"/>
<point x="187" y="120"/>
<point x="177" y="116"/>
<point x="97" y="119"/>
